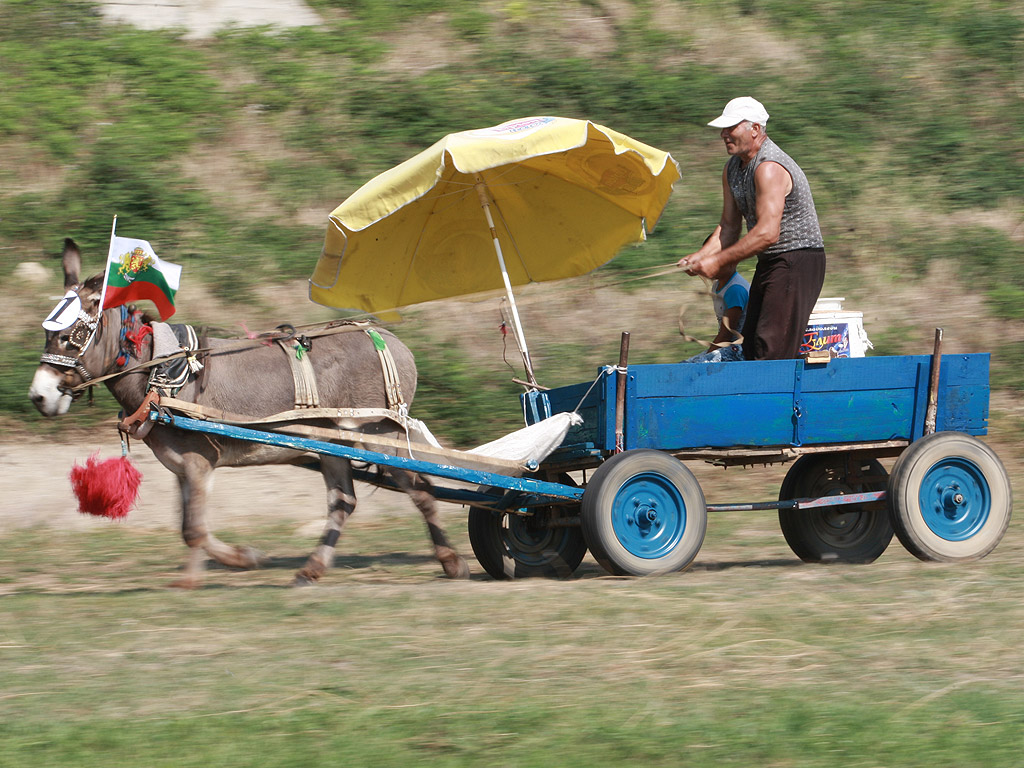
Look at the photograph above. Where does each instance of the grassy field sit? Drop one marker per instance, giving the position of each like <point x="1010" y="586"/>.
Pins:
<point x="228" y="153"/>
<point x="750" y="658"/>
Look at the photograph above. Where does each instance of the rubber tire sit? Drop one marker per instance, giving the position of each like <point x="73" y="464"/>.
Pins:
<point x="924" y="475"/>
<point x="508" y="546"/>
<point x="627" y="481"/>
<point x="841" y="534"/>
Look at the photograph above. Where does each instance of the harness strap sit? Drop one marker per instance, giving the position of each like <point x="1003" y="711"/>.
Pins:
<point x="392" y="386"/>
<point x="138" y="424"/>
<point x="459" y="458"/>
<point x="170" y="377"/>
<point x="139" y="367"/>
<point x="306" y="393"/>
<point x="345" y="326"/>
<point x="216" y="414"/>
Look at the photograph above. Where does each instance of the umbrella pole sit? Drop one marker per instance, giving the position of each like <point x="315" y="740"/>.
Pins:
<point x="518" y="327"/>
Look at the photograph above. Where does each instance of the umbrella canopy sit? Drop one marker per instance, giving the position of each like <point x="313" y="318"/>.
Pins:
<point x="565" y="196"/>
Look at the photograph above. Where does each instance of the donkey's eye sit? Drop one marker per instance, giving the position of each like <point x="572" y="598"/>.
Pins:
<point x="64" y="338"/>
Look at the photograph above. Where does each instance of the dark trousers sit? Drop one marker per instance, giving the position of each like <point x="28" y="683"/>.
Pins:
<point x="782" y="295"/>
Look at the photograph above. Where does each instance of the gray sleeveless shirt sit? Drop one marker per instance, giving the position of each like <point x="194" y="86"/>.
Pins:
<point x="799" y="228"/>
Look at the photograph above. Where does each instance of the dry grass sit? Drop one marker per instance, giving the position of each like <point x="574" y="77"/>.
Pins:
<point x="749" y="658"/>
<point x="747" y="641"/>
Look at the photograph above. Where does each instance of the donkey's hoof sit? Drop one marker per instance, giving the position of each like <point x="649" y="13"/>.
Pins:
<point x="185" y="582"/>
<point x="456" y="568"/>
<point x="248" y="558"/>
<point x="309" y="575"/>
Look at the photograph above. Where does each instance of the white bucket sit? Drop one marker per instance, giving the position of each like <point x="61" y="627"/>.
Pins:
<point x="832" y="330"/>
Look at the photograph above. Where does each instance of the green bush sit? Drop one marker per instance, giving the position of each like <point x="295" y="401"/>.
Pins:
<point x="464" y="404"/>
<point x="917" y="99"/>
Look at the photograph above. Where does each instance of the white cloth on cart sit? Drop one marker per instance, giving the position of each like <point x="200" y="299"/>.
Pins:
<point x="531" y="444"/>
<point x="522" y="450"/>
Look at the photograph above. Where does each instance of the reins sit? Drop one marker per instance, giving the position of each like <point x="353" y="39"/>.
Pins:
<point x="251" y="343"/>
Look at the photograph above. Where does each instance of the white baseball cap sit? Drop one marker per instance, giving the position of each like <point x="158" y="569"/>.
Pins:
<point x="738" y="110"/>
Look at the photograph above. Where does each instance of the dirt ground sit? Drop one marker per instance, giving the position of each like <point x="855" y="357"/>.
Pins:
<point x="36" y="490"/>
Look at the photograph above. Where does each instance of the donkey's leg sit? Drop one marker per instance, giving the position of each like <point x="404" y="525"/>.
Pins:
<point x="419" y="490"/>
<point x="196" y="481"/>
<point x="341" y="502"/>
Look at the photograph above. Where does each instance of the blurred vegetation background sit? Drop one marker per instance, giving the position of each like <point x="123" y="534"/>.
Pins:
<point x="228" y="153"/>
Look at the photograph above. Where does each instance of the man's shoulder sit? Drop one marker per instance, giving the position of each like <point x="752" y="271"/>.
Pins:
<point x="770" y="165"/>
<point x="772" y="174"/>
<point x="772" y="152"/>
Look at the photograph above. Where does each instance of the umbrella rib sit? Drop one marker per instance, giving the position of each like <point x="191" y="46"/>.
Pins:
<point x="504" y="221"/>
<point x="512" y="239"/>
<point x="457" y="195"/>
<point x="467" y="187"/>
<point x="419" y="237"/>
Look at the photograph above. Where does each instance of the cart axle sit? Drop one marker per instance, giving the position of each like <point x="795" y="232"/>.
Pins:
<point x="823" y="501"/>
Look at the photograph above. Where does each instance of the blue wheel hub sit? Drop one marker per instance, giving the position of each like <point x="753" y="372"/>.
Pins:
<point x="955" y="499"/>
<point x="649" y="516"/>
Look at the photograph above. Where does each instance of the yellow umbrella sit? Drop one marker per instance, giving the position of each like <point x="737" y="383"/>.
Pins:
<point x="550" y="197"/>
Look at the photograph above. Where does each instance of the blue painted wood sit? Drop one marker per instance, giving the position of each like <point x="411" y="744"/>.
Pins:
<point x="523" y="484"/>
<point x="592" y="406"/>
<point x="799" y="414"/>
<point x="781" y="402"/>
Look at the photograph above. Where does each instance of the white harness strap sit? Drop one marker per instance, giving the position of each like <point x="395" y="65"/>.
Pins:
<point x="392" y="387"/>
<point x="306" y="393"/>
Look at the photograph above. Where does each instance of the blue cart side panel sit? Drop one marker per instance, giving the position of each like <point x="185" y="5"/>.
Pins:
<point x="780" y="402"/>
<point x="590" y="400"/>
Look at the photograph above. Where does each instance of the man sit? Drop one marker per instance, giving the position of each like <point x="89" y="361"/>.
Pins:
<point x="764" y="186"/>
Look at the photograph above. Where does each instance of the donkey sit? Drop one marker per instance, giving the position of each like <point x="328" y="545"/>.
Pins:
<point x="254" y="380"/>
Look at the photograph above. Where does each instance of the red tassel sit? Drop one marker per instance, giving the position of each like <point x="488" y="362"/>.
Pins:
<point x="106" y="488"/>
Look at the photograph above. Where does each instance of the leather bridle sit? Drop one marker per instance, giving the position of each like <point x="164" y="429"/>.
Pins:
<point x="81" y="335"/>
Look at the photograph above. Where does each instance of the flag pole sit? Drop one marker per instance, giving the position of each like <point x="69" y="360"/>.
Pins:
<point x="106" y="268"/>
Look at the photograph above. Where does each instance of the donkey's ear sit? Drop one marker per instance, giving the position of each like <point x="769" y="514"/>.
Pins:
<point x="72" y="263"/>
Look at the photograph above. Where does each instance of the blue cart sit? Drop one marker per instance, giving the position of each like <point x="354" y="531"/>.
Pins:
<point x="639" y="510"/>
<point x="948" y="497"/>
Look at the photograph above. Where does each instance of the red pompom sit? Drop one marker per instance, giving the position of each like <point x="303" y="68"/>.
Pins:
<point x="106" y="488"/>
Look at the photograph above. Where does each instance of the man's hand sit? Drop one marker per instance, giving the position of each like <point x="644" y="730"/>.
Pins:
<point x="702" y="264"/>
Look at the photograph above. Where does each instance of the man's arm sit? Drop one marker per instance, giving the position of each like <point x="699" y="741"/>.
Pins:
<point x="726" y="233"/>
<point x="772" y="183"/>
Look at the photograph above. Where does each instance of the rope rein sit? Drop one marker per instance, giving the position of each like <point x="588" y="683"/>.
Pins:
<point x="248" y="343"/>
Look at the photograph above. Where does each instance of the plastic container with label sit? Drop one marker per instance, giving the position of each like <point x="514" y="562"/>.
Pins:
<point x="835" y="331"/>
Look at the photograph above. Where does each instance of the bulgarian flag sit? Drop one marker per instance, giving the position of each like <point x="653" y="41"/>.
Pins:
<point x="135" y="272"/>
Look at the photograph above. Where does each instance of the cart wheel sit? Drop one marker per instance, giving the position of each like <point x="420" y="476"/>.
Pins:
<point x="515" y="546"/>
<point x="643" y="513"/>
<point x="950" y="498"/>
<point x="848" y="533"/>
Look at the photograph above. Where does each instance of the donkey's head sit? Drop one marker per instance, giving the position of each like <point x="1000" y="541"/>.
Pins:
<point x="71" y="329"/>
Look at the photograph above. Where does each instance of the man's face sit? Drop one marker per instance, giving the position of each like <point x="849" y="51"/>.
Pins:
<point x="739" y="139"/>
